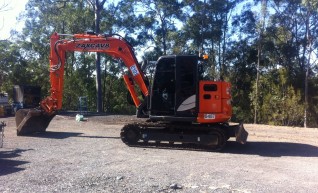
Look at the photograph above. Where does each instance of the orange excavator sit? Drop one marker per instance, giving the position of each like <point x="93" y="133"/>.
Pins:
<point x="180" y="106"/>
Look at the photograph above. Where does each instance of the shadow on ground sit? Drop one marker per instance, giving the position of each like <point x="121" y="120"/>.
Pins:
<point x="54" y="135"/>
<point x="8" y="166"/>
<point x="266" y="149"/>
<point x="272" y="149"/>
<point x="89" y="114"/>
<point x="98" y="137"/>
<point x="64" y="135"/>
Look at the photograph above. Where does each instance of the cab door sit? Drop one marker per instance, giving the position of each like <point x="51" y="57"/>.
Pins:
<point x="186" y="86"/>
<point x="162" y="101"/>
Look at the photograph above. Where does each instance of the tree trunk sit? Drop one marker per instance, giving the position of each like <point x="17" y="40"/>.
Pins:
<point x="309" y="41"/>
<point x="306" y="95"/>
<point x="257" y="80"/>
<point x="98" y="6"/>
<point x="98" y="84"/>
<point x="259" y="55"/>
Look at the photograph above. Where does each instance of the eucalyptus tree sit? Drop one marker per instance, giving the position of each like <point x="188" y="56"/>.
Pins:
<point x="13" y="66"/>
<point x="294" y="27"/>
<point x="158" y="19"/>
<point x="208" y="30"/>
<point x="116" y="18"/>
<point x="286" y="53"/>
<point x="261" y="31"/>
<point x="242" y="55"/>
<point x="42" y="18"/>
<point x="97" y="8"/>
<point x="310" y="47"/>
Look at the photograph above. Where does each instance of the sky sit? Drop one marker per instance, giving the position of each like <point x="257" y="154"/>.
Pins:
<point x="8" y="17"/>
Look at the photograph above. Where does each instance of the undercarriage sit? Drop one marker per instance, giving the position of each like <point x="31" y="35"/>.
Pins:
<point x="212" y="137"/>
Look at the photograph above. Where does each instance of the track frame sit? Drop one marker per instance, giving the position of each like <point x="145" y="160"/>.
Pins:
<point x="211" y="137"/>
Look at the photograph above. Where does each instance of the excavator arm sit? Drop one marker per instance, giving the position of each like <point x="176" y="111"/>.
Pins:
<point x="35" y="120"/>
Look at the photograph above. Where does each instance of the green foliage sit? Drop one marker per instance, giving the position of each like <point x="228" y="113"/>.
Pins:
<point x="243" y="73"/>
<point x="79" y="82"/>
<point x="280" y="103"/>
<point x="16" y="68"/>
<point x="231" y="32"/>
<point x="115" y="100"/>
<point x="158" y="21"/>
<point x="313" y="101"/>
<point x="115" y="91"/>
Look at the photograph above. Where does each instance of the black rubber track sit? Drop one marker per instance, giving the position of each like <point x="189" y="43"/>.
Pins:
<point x="131" y="135"/>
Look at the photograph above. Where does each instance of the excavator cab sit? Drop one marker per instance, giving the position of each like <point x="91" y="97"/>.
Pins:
<point x="174" y="88"/>
<point x="181" y="93"/>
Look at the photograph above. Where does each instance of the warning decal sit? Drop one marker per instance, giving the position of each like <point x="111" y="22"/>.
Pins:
<point x="134" y="70"/>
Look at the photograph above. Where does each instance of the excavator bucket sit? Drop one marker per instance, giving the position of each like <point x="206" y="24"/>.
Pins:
<point x="30" y="121"/>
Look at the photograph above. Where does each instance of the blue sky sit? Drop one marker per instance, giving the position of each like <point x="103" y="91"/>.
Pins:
<point x="8" y="17"/>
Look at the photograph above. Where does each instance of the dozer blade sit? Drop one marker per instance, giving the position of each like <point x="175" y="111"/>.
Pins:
<point x="30" y="121"/>
<point x="241" y="134"/>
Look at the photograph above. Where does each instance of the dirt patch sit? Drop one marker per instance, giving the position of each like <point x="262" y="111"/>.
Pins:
<point x="90" y="157"/>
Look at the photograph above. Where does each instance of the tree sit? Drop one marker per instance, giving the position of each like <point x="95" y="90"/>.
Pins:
<point x="159" y="21"/>
<point x="97" y="8"/>
<point x="207" y="30"/>
<point x="259" y="53"/>
<point x="294" y="25"/>
<point x="13" y="66"/>
<point x="311" y="16"/>
<point x="243" y="57"/>
<point x="280" y="102"/>
<point x="270" y="58"/>
<point x="42" y="18"/>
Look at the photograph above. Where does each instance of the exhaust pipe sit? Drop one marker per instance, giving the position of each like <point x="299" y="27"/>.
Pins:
<point x="31" y="121"/>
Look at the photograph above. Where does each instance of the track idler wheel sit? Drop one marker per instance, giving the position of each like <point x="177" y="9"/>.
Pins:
<point x="130" y="134"/>
<point x="220" y="143"/>
<point x="30" y="121"/>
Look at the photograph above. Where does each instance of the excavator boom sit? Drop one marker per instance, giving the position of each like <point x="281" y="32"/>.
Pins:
<point x="29" y="121"/>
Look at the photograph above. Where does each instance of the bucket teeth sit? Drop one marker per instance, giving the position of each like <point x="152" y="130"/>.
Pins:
<point x="30" y="121"/>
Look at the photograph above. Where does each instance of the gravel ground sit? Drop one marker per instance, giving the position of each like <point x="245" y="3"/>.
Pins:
<point x="90" y="157"/>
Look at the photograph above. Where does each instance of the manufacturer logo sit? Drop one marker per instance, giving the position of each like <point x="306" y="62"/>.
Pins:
<point x="93" y="46"/>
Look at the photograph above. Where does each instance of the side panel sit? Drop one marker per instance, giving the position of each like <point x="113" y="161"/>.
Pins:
<point x="226" y="98"/>
<point x="215" y="102"/>
<point x="210" y="97"/>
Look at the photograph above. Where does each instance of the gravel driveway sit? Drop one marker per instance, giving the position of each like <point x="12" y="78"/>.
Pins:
<point x="90" y="157"/>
